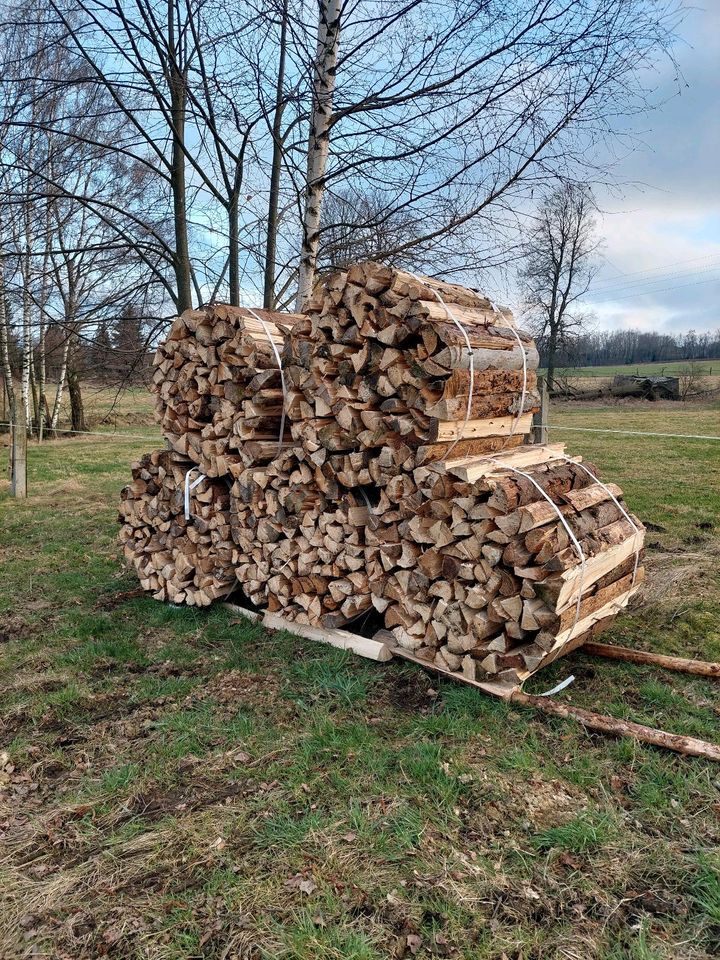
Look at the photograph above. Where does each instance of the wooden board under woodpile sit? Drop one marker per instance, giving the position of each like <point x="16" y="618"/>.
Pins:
<point x="179" y="543"/>
<point x="405" y="498"/>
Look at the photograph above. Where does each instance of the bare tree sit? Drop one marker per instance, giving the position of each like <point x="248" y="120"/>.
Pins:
<point x="460" y="111"/>
<point x="247" y="116"/>
<point x="559" y="266"/>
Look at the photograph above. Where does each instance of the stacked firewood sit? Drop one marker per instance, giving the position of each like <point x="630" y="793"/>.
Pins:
<point x="414" y="367"/>
<point x="403" y="495"/>
<point x="218" y="386"/>
<point x="496" y="584"/>
<point x="181" y="555"/>
<point x="302" y="544"/>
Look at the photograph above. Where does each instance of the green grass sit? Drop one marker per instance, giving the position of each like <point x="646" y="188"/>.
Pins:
<point x="175" y="775"/>
<point x="671" y="368"/>
<point x="583" y="834"/>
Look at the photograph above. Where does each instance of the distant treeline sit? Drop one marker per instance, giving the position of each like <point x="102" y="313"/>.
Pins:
<point x="632" y="346"/>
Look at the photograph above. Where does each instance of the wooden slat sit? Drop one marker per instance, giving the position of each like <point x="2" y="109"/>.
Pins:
<point x="493" y="427"/>
<point x="472" y="469"/>
<point x="362" y="646"/>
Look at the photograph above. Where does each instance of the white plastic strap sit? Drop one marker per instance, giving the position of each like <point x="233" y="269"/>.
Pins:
<point x="189" y="487"/>
<point x="620" y="507"/>
<point x="373" y="520"/>
<point x="471" y="357"/>
<point x="573" y="538"/>
<point x="524" y="386"/>
<point x="514" y="332"/>
<point x="280" y="368"/>
<point x="560" y="686"/>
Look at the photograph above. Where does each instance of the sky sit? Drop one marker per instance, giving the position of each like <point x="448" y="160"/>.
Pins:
<point x="661" y="254"/>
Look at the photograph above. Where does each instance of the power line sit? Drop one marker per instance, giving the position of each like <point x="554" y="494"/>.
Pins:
<point x="87" y="433"/>
<point x="648" y="293"/>
<point x="667" y="266"/>
<point x="629" y="433"/>
<point x="649" y="281"/>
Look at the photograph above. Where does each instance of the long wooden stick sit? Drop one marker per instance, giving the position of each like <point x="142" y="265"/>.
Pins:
<point x="701" y="667"/>
<point x="690" y="746"/>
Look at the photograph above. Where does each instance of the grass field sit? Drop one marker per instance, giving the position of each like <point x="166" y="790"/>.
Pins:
<point x="176" y="784"/>
<point x="676" y="368"/>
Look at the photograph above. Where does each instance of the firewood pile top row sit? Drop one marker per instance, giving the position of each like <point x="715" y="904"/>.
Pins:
<point x="368" y="463"/>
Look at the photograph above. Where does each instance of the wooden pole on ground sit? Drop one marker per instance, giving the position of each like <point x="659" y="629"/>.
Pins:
<point x="690" y="746"/>
<point x="700" y="667"/>
<point x="540" y="419"/>
<point x="18" y="479"/>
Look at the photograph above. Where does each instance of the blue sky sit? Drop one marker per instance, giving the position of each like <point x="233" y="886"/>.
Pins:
<point x="661" y="257"/>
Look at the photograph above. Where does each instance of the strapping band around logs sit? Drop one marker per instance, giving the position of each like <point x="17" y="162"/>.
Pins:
<point x="280" y="368"/>
<point x="621" y="508"/>
<point x="573" y="538"/>
<point x="189" y="487"/>
<point x="521" y="408"/>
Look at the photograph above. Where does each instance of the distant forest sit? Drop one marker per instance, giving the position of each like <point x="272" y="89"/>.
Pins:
<point x="631" y="347"/>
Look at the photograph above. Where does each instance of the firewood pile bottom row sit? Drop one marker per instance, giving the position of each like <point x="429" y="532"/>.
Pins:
<point x="384" y="481"/>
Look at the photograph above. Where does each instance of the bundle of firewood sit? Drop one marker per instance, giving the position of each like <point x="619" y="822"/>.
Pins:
<point x="414" y="367"/>
<point x="302" y="548"/>
<point x="404" y="495"/>
<point x="496" y="584"/>
<point x="182" y="552"/>
<point x="218" y="386"/>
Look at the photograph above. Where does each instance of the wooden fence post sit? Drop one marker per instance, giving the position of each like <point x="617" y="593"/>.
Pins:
<point x="540" y="419"/>
<point x="18" y="477"/>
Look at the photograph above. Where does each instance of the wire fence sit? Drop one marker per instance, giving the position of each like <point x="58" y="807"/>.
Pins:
<point x="118" y="435"/>
<point x="540" y="431"/>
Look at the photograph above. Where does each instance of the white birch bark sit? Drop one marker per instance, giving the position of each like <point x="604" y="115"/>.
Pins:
<point x="26" y="336"/>
<point x="60" y="385"/>
<point x="318" y="143"/>
<point x="9" y="386"/>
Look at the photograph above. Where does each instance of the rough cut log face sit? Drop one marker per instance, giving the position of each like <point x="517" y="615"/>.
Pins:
<point x="391" y="494"/>
<point x="218" y="387"/>
<point x="301" y="542"/>
<point x="179" y="560"/>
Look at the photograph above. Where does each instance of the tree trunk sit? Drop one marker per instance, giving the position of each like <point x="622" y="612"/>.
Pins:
<point x="318" y="143"/>
<point x="26" y="338"/>
<point x="275" y="170"/>
<point x="77" y="411"/>
<point x="552" y="352"/>
<point x="34" y="398"/>
<point x="178" y="103"/>
<point x="5" y="348"/>
<point x="55" y="418"/>
<point x="233" y="251"/>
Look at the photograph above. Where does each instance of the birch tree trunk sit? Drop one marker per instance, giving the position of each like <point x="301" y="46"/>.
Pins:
<point x="60" y="385"/>
<point x="275" y="170"/>
<point x="26" y="336"/>
<point x="318" y="143"/>
<point x="5" y="348"/>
